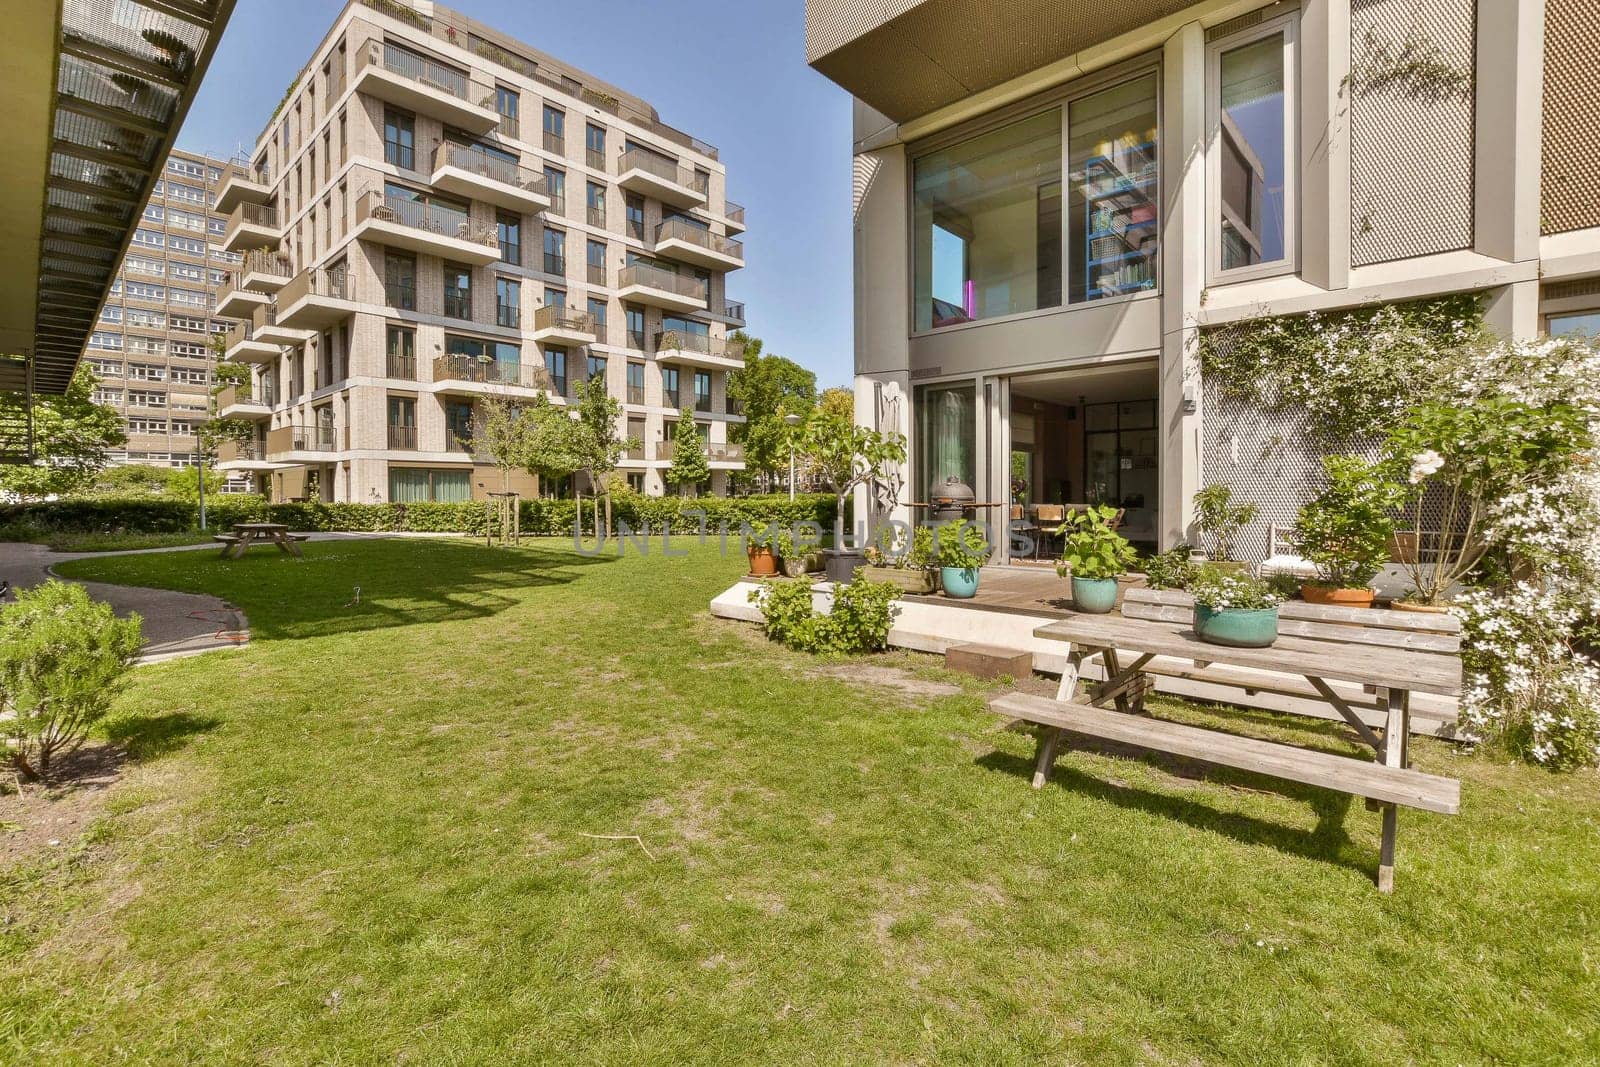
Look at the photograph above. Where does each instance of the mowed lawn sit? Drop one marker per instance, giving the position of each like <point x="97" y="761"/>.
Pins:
<point x="361" y="840"/>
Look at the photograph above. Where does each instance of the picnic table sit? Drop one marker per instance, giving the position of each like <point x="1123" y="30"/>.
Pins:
<point x="1322" y="654"/>
<point x="247" y="534"/>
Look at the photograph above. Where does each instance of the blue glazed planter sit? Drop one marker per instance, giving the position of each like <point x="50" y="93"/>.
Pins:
<point x="1236" y="627"/>
<point x="959" y="582"/>
<point x="1094" y="596"/>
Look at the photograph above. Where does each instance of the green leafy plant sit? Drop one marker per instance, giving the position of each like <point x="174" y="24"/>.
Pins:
<point x="63" y="657"/>
<point x="844" y="455"/>
<point x="1222" y="590"/>
<point x="921" y="554"/>
<point x="1093" y="550"/>
<point x="1173" y="569"/>
<point x="1216" y="514"/>
<point x="1345" y="530"/>
<point x="962" y="545"/>
<point x="858" y="622"/>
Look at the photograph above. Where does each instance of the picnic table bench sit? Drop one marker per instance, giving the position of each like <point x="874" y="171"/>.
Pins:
<point x="1387" y="657"/>
<point x="247" y="534"/>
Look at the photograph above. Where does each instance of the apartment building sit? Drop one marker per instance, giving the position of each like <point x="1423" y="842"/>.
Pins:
<point x="151" y="345"/>
<point x="1052" y="207"/>
<point x="438" y="213"/>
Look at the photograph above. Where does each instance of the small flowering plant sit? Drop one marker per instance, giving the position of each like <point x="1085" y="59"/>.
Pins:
<point x="1224" y="590"/>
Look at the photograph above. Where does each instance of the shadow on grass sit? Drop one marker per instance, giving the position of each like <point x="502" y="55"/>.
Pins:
<point x="148" y="736"/>
<point x="1327" y="841"/>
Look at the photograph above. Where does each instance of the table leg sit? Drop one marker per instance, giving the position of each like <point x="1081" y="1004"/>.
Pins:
<point x="1049" y="740"/>
<point x="1114" y="678"/>
<point x="1067" y="691"/>
<point x="1396" y="735"/>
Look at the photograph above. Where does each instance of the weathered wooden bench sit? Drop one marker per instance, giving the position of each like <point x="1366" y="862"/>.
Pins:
<point x="1388" y="658"/>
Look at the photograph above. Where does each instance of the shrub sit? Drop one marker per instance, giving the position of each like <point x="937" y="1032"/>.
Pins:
<point x="1344" y="530"/>
<point x="1216" y="514"/>
<point x="62" y="659"/>
<point x="1172" y="569"/>
<point x="859" y="622"/>
<point x="1220" y="589"/>
<point x="1093" y="549"/>
<point x="961" y="545"/>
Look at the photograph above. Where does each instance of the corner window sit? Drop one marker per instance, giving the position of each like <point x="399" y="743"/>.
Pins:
<point x="1252" y="181"/>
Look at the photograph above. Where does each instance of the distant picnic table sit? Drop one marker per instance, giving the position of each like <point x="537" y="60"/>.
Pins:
<point x="247" y="534"/>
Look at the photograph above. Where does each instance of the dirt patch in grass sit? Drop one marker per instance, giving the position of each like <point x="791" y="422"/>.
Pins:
<point x="49" y="816"/>
<point x="889" y="677"/>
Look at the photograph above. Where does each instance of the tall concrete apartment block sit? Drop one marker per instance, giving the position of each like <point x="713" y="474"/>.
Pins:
<point x="1054" y="199"/>
<point x="437" y="214"/>
<point x="151" y="346"/>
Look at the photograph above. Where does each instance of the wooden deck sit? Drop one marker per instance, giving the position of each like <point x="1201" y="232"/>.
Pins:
<point x="1018" y="589"/>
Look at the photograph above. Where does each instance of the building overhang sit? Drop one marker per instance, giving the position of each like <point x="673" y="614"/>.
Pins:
<point x="906" y="58"/>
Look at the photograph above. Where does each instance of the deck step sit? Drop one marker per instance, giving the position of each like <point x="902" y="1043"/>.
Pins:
<point x="989" y="661"/>
<point x="1345" y="774"/>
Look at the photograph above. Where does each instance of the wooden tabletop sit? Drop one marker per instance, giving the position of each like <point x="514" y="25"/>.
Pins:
<point x="1393" y="668"/>
<point x="264" y="527"/>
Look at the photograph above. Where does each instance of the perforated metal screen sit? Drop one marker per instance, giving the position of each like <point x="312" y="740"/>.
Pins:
<point x="1571" y="179"/>
<point x="1411" y="127"/>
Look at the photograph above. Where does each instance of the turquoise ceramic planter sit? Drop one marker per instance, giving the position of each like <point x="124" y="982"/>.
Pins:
<point x="1236" y="627"/>
<point x="959" y="582"/>
<point x="1094" y="596"/>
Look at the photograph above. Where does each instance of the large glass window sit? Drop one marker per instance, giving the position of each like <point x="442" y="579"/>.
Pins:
<point x="399" y="139"/>
<point x="457" y="291"/>
<point x="947" y="435"/>
<point x="555" y="363"/>
<point x="987" y="222"/>
<point x="414" y="485"/>
<point x="1114" y="196"/>
<point x="1575" y="324"/>
<point x="1252" y="190"/>
<point x="555" y="252"/>
<point x="400" y="280"/>
<point x="508" y="302"/>
<point x="508" y="228"/>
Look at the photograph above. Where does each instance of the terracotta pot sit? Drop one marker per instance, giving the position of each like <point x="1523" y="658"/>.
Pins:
<point x="1403" y="546"/>
<point x="1342" y="598"/>
<point x="763" y="564"/>
<point x="1420" y="609"/>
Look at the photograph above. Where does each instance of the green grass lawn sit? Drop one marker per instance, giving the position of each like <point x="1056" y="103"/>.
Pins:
<point x="123" y="542"/>
<point x="360" y="840"/>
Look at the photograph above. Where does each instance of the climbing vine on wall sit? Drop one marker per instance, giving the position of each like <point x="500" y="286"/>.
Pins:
<point x="1351" y="372"/>
<point x="1415" y="66"/>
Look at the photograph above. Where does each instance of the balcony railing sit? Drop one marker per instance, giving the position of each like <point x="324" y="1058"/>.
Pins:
<point x="421" y="215"/>
<point x="419" y="68"/>
<point x="233" y="451"/>
<point x="319" y="281"/>
<point x="595" y="157"/>
<point x="263" y="215"/>
<point x="679" y="341"/>
<point x="597" y="273"/>
<point x="230" y="395"/>
<point x="239" y="332"/>
<point x="636" y="339"/>
<point x="661" y="167"/>
<point x="250" y="172"/>
<point x="300" y="438"/>
<point x="557" y="317"/>
<point x="402" y="365"/>
<point x="596" y="217"/>
<point x="702" y="402"/>
<point x="733" y="212"/>
<point x="460" y="368"/>
<point x="476" y="161"/>
<point x="511" y="126"/>
<point x="655" y="278"/>
<point x="508" y="315"/>
<point x="402" y="436"/>
<point x="636" y="395"/>
<point x="555" y="142"/>
<point x="734" y="311"/>
<point x="725" y="453"/>
<point x="264" y="261"/>
<point x="678" y="230"/>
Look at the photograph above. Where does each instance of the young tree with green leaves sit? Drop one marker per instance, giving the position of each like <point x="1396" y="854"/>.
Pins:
<point x="71" y="435"/>
<point x="845" y="455"/>
<point x="554" y="444"/>
<point x="689" y="464"/>
<point x="501" y="432"/>
<point x="768" y="387"/>
<point x="603" y="447"/>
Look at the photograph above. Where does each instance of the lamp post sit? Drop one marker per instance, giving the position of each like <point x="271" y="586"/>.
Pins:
<point x="791" y="421"/>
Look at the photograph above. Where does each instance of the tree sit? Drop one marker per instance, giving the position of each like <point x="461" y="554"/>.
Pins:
<point x="768" y="387"/>
<point x="689" y="466"/>
<point x="845" y="455"/>
<point x="183" y="483"/>
<point x="839" y="402"/>
<point x="501" y="432"/>
<point x="71" y="435"/>
<point x="603" y="448"/>
<point x="552" y="445"/>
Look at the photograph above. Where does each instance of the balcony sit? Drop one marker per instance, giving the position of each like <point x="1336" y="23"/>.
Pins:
<point x="316" y="299"/>
<point x="650" y="174"/>
<point x="291" y="443"/>
<point x="252" y="226"/>
<point x="236" y="402"/>
<point x="245" y="346"/>
<point x="402" y="437"/>
<point x="642" y="283"/>
<point x="236" y="302"/>
<point x="477" y="175"/>
<point x="698" y="350"/>
<point x="241" y="456"/>
<point x="432" y="229"/>
<point x="264" y="271"/>
<point x="412" y="80"/>
<point x="732" y="313"/>
<point x="724" y="456"/>
<point x="472" y="376"/>
<point x="249" y="185"/>
<point x="685" y="242"/>
<point x="733" y="215"/>
<point x="554" y="324"/>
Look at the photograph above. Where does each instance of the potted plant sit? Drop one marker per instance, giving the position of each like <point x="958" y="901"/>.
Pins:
<point x="1233" y="608"/>
<point x="844" y="456"/>
<point x="909" y="567"/>
<point x="759" y="547"/>
<point x="1345" y="530"/>
<point x="962" y="549"/>
<point x="1216" y="514"/>
<point x="794" y="558"/>
<point x="1095" y="556"/>
<point x="1172" y="569"/>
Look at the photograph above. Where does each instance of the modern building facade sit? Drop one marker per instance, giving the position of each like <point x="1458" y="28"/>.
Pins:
<point x="1050" y="209"/>
<point x="438" y="214"/>
<point x="152" y="344"/>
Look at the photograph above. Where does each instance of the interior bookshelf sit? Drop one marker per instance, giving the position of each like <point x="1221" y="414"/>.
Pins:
<point x="1121" y="219"/>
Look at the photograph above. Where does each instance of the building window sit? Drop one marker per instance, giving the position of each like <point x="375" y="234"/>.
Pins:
<point x="1114" y="196"/>
<point x="400" y="280"/>
<point x="633" y="208"/>
<point x="555" y="363"/>
<point x="702" y="390"/>
<point x="555" y="183"/>
<point x="508" y="228"/>
<point x="987" y="224"/>
<point x="595" y="202"/>
<point x="1574" y="324"/>
<point x="508" y="302"/>
<point x="1251" y="179"/>
<point x="509" y="105"/>
<point x="556" y="298"/>
<point x="402" y="422"/>
<point x="635" y="383"/>
<point x="555" y="252"/>
<point x="597" y="366"/>
<point x="597" y="312"/>
<point x="669" y="386"/>
<point x="399" y="139"/>
<point x="417" y="485"/>
<point x="458" y="425"/>
<point x="633" y="319"/>
<point x="594" y="146"/>
<point x="555" y="130"/>
<point x="457" y="291"/>
<point x="597" y="262"/>
<point x="401" y="349"/>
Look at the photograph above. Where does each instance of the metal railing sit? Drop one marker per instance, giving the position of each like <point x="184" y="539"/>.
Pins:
<point x="234" y="451"/>
<point x="476" y="161"/>
<point x="428" y="217"/>
<point x="596" y="217"/>
<point x="319" y="281"/>
<point x="733" y="311"/>
<point x="636" y="339"/>
<point x="459" y="368"/>
<point x="555" y="142"/>
<point x="264" y="261"/>
<point x="702" y="402"/>
<point x="679" y="341"/>
<point x="418" y="68"/>
<point x="733" y="212"/>
<point x="239" y="332"/>
<point x="679" y="230"/>
<point x="264" y="215"/>
<point x="402" y="365"/>
<point x="597" y="274"/>
<point x="230" y="395"/>
<point x="659" y="166"/>
<point x="636" y="396"/>
<point x="510" y="126"/>
<point x="557" y="317"/>
<point x="655" y="278"/>
<point x="251" y="172"/>
<point x="301" y="438"/>
<point x="402" y="436"/>
<point x="595" y="158"/>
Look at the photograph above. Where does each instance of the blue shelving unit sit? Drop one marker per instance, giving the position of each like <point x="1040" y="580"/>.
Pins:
<point x="1123" y="193"/>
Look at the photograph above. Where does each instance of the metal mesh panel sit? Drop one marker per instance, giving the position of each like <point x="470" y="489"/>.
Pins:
<point x="1411" y="134"/>
<point x="1570" y="187"/>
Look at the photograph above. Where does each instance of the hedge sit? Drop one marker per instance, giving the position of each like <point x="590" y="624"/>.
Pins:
<point x="155" y="515"/>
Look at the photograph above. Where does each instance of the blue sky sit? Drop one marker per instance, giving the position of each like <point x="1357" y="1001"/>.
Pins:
<point x="731" y="72"/>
